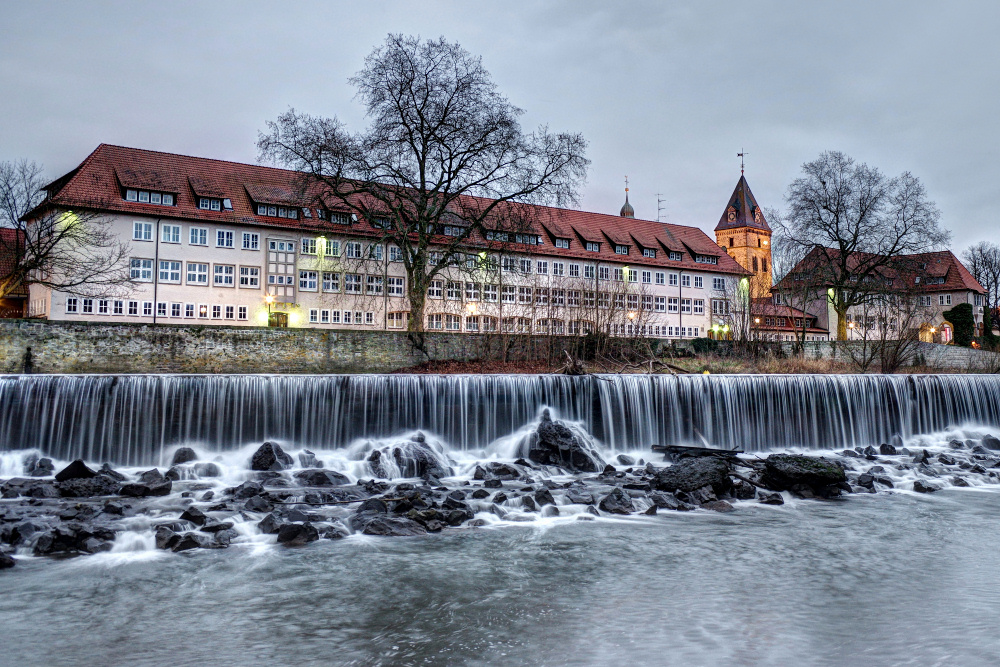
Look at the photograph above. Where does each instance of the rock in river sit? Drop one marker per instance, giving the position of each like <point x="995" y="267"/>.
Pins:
<point x="695" y="473"/>
<point x="784" y="471"/>
<point x="554" y="443"/>
<point x="270" y="456"/>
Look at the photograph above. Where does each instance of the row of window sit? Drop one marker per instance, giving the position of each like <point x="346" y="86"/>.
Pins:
<point x="320" y="246"/>
<point x="348" y="283"/>
<point x="170" y="272"/>
<point x="87" y="306"/>
<point x="324" y="316"/>
<point x="143" y="231"/>
<point x="547" y="326"/>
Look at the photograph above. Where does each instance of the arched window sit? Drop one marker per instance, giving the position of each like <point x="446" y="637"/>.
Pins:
<point x="755" y="265"/>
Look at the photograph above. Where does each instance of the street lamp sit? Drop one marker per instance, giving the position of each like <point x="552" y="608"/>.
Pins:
<point x="269" y="299"/>
<point x="632" y="315"/>
<point x="472" y="308"/>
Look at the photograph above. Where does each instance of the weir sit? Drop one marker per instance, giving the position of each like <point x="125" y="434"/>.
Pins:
<point x="130" y="419"/>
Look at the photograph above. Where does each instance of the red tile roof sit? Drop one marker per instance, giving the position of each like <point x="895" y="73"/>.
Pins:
<point x="938" y="264"/>
<point x="99" y="181"/>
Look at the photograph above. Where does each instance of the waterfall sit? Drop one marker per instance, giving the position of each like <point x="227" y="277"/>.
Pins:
<point x="130" y="419"/>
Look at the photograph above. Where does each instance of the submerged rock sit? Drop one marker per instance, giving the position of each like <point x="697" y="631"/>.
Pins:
<point x="6" y="561"/>
<point x="307" y="459"/>
<point x="553" y="443"/>
<point x="207" y="469"/>
<point x="412" y="458"/>
<point x="319" y="477"/>
<point x="694" y="473"/>
<point x="393" y="527"/>
<point x="270" y="456"/>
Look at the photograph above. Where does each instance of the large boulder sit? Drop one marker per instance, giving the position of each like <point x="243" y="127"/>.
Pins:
<point x="991" y="442"/>
<point x="270" y="456"/>
<point x="6" y="561"/>
<point x="75" y="470"/>
<point x="784" y="471"/>
<point x="319" y="477"/>
<point x="694" y="473"/>
<point x="554" y="443"/>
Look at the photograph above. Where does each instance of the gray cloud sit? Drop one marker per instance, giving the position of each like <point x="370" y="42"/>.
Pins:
<point x="665" y="92"/>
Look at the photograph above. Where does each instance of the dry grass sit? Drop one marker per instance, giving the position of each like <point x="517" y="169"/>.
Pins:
<point x="479" y="367"/>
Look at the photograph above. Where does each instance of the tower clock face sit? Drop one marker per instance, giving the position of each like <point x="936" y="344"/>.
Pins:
<point x="732" y="214"/>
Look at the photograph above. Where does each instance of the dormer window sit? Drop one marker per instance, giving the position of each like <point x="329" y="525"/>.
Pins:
<point x="562" y="243"/>
<point x="676" y="256"/>
<point x="149" y="197"/>
<point x="382" y="222"/>
<point x="706" y="259"/>
<point x="621" y="249"/>
<point x="209" y="204"/>
<point x="340" y="218"/>
<point x="593" y="247"/>
<point x="529" y="239"/>
<point x="649" y="252"/>
<point x="277" y="211"/>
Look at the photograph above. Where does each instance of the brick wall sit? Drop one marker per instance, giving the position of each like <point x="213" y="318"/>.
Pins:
<point x="71" y="347"/>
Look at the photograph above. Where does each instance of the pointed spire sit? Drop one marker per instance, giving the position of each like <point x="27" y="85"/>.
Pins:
<point x="627" y="210"/>
<point x="742" y="210"/>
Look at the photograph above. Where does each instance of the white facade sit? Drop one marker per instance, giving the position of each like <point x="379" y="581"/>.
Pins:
<point x="206" y="273"/>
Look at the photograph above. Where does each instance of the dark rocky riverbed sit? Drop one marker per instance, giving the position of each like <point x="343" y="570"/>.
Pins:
<point x="293" y="501"/>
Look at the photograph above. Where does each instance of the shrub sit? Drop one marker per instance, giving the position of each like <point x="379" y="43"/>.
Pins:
<point x="963" y="322"/>
<point x="704" y="345"/>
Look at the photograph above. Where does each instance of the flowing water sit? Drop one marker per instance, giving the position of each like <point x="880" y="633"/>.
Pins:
<point x="132" y="419"/>
<point x="895" y="578"/>
<point x="876" y="580"/>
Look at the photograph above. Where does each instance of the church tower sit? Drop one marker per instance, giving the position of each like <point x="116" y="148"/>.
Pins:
<point x="745" y="235"/>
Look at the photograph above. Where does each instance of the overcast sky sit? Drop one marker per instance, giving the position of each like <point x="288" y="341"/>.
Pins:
<point x="667" y="93"/>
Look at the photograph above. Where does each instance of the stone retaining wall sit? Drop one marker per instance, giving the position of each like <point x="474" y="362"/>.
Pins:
<point x="931" y="355"/>
<point x="65" y="347"/>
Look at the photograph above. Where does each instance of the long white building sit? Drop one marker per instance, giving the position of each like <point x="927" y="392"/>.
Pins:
<point x="221" y="243"/>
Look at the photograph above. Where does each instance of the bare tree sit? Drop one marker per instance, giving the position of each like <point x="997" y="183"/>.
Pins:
<point x="57" y="248"/>
<point x="854" y="221"/>
<point x="983" y="261"/>
<point x="444" y="161"/>
<point x="887" y="326"/>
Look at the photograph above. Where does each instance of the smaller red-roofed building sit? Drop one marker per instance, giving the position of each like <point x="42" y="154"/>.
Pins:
<point x="932" y="283"/>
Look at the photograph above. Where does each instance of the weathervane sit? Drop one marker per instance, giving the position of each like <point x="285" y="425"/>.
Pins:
<point x="626" y="182"/>
<point x="740" y="156"/>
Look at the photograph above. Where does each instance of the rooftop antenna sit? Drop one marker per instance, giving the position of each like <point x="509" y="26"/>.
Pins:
<point x="659" y="205"/>
<point x="741" y="155"/>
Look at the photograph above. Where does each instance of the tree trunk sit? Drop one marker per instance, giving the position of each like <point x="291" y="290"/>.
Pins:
<point x="841" y="322"/>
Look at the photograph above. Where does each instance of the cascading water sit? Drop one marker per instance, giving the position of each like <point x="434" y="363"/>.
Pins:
<point x="132" y="419"/>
